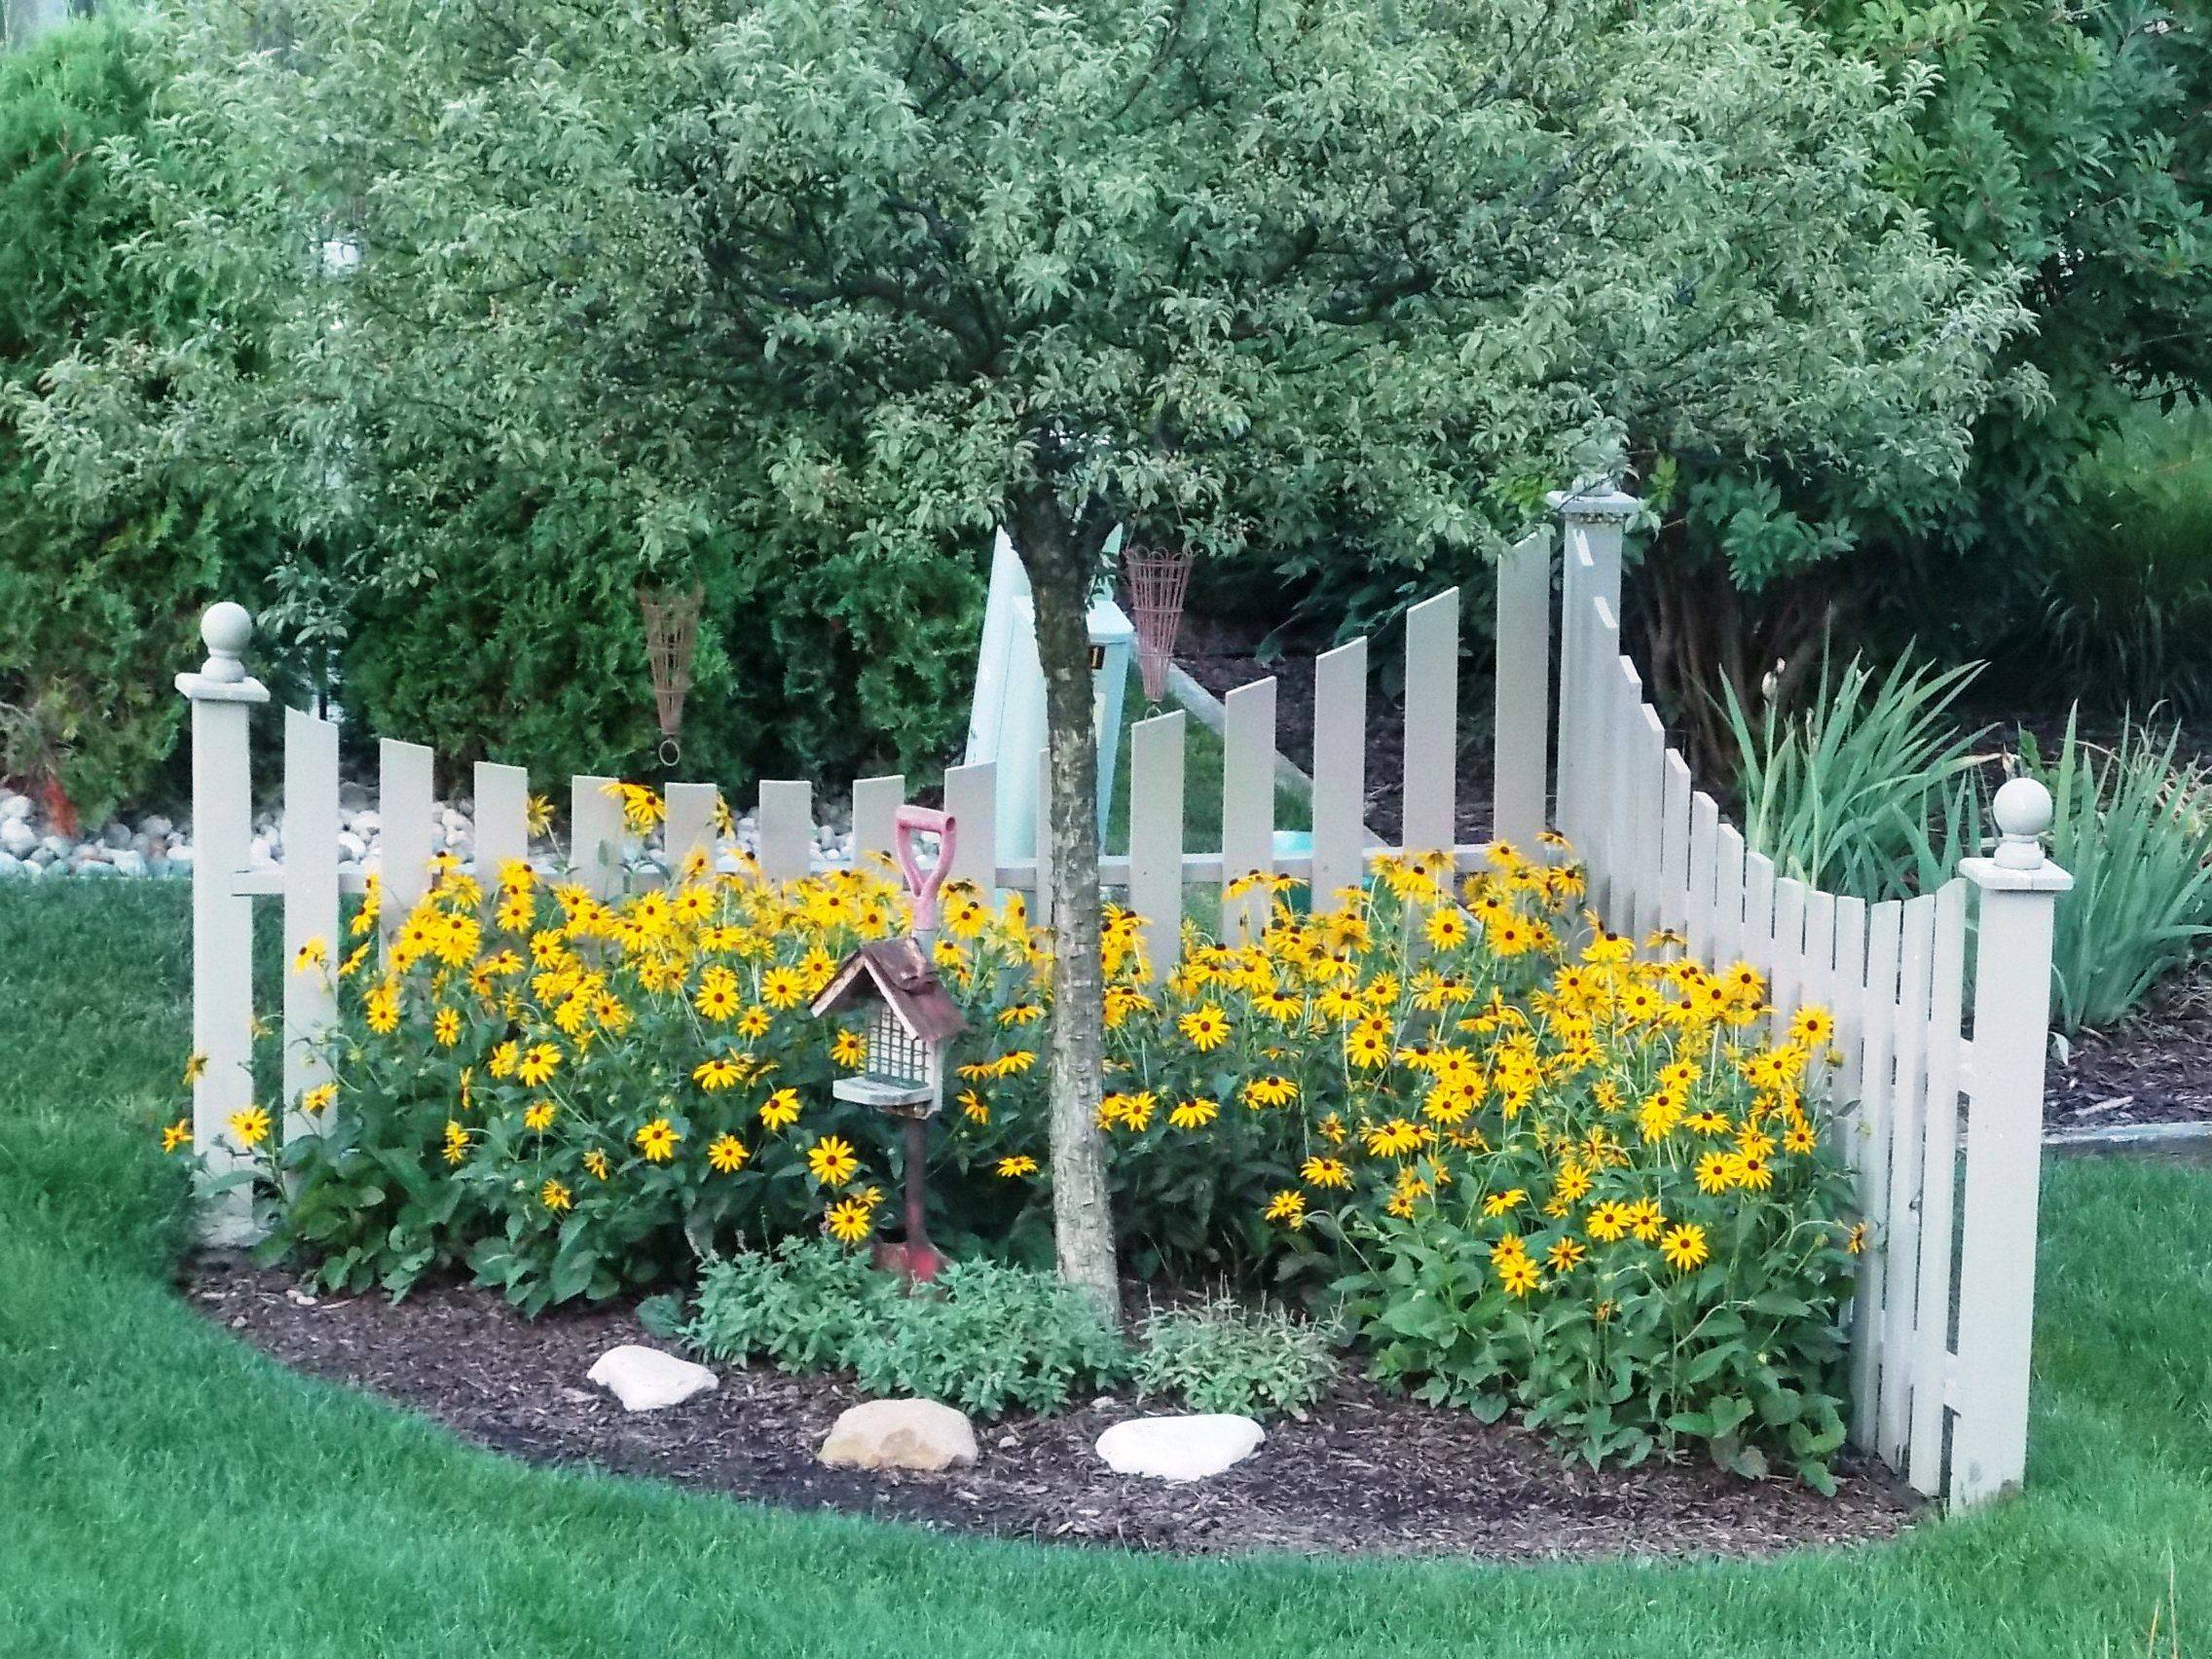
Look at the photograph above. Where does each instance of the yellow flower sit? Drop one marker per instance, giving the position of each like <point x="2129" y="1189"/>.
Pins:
<point x="1565" y="1255"/>
<point x="1498" y="1204"/>
<point x="728" y="1154"/>
<point x="718" y="1072"/>
<point x="249" y="1126"/>
<point x="1683" y="1246"/>
<point x="537" y="1116"/>
<point x="1271" y="1091"/>
<point x="555" y="1196"/>
<point x="1392" y="1139"/>
<point x="595" y="1161"/>
<point x="1518" y="1274"/>
<point x="178" y="1133"/>
<point x="319" y="1098"/>
<point x="718" y="999"/>
<point x="831" y="1161"/>
<point x="1645" y="1219"/>
<point x="847" y="1050"/>
<point x="446" y="1027"/>
<point x="1608" y="1222"/>
<point x="539" y="1065"/>
<point x="1018" y="1164"/>
<point x="1855" y="1240"/>
<point x="780" y="1108"/>
<point x="974" y="1107"/>
<point x="1288" y="1206"/>
<point x="657" y="1140"/>
<point x="1446" y="928"/>
<point x="457" y="1141"/>
<point x="1206" y="1028"/>
<point x="849" y="1221"/>
<point x="1193" y="1113"/>
<point x="782" y="987"/>
<point x="314" y="954"/>
<point x="1325" y="1172"/>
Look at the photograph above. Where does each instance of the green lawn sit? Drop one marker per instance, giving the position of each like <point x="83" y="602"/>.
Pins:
<point x="164" y="1491"/>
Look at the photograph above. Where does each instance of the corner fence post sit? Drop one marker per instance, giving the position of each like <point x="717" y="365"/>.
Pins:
<point x="2019" y="888"/>
<point x="223" y="697"/>
<point x="1590" y="558"/>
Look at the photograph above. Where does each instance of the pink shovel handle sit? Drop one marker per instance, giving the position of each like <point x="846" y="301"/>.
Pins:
<point x="923" y="886"/>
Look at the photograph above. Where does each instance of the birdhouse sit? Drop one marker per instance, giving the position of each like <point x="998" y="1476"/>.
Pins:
<point x="911" y="1023"/>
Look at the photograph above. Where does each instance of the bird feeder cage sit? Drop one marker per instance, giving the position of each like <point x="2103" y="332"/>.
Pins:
<point x="671" y="639"/>
<point x="911" y="1021"/>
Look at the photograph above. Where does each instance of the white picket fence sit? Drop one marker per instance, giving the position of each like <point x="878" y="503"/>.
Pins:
<point x="1948" y="1411"/>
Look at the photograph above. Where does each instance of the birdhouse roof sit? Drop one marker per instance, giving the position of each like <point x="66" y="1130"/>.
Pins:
<point x="900" y="976"/>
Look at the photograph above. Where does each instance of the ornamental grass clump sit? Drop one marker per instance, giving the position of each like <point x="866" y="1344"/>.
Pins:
<point x="1222" y="1355"/>
<point x="1545" y="1168"/>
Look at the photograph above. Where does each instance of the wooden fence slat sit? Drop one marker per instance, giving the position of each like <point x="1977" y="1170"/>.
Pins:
<point x="1601" y="782"/>
<point x="1248" y="805"/>
<point x="1817" y="986"/>
<point x="1431" y="803"/>
<point x="875" y="804"/>
<point x="1626" y="801"/>
<point x="1340" y="770"/>
<point x="503" y="818"/>
<point x="786" y="829"/>
<point x="1703" y="856"/>
<point x="1939" y="1162"/>
<point x="1869" y="1149"/>
<point x="1901" y="1246"/>
<point x="1786" y="987"/>
<point x="690" y="826"/>
<point x="1757" y="933"/>
<point x="595" y="836"/>
<point x="404" y="804"/>
<point x="1523" y="715"/>
<point x="311" y="909"/>
<point x="1675" y="830"/>
<point x="1155" y="836"/>
<point x="1846" y="997"/>
<point x="1650" y="878"/>
<point x="971" y="800"/>
<point x="1728" y="896"/>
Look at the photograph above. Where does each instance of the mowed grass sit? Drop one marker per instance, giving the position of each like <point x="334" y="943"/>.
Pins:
<point x="164" y="1491"/>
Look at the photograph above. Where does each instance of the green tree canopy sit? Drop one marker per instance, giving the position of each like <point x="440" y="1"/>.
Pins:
<point x="892" y="272"/>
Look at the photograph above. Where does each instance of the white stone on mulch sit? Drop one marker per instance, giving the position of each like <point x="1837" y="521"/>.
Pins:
<point x="901" y="1434"/>
<point x="1179" y="1448"/>
<point x="645" y="1380"/>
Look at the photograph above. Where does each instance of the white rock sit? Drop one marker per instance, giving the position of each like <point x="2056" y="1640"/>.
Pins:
<point x="115" y="833"/>
<point x="56" y="846"/>
<point x="14" y="807"/>
<point x="156" y="828"/>
<point x="10" y="865"/>
<point x="350" y="849"/>
<point x="16" y="837"/>
<point x="365" y="825"/>
<point x="901" y="1434"/>
<point x="262" y="853"/>
<point x="353" y="797"/>
<point x="181" y="856"/>
<point x="1179" y="1448"/>
<point x="644" y="1379"/>
<point x="127" y="861"/>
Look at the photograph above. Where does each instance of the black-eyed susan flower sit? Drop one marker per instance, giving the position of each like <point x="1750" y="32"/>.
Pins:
<point x="177" y="1134"/>
<point x="1020" y="1164"/>
<point x="657" y="1140"/>
<point x="780" y="1108"/>
<point x="555" y="1196"/>
<point x="1683" y="1246"/>
<point x="830" y="1161"/>
<point x="249" y="1126"/>
<point x="726" y="1154"/>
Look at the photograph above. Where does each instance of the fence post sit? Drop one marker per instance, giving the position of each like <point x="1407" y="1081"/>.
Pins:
<point x="222" y="697"/>
<point x="1590" y="560"/>
<point x="2004" y="1155"/>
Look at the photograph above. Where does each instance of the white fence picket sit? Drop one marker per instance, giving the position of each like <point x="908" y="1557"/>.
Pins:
<point x="1248" y="805"/>
<point x="970" y="801"/>
<point x="1674" y="831"/>
<point x="1648" y="870"/>
<point x="1698" y="891"/>
<point x="311" y="911"/>
<point x="595" y="836"/>
<point x="1728" y="895"/>
<point x="1786" y="987"/>
<point x="1757" y="935"/>
<point x="1869" y="1149"/>
<point x="404" y="804"/>
<point x="1522" y="734"/>
<point x="690" y="826"/>
<point x="1429" y="811"/>
<point x="1156" y="835"/>
<point x="1340" y="772"/>
<point x="1847" y="999"/>
<point x="1901" y="1246"/>
<point x="502" y="819"/>
<point x="1938" y="1178"/>
<point x="876" y="805"/>
<point x="1819" y="982"/>
<point x="785" y="824"/>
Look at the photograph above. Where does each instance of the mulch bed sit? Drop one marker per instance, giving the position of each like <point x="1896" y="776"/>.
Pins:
<point x="1367" y="1474"/>
<point x="2156" y="1068"/>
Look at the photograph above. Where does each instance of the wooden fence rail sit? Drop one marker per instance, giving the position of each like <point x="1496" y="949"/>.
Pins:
<point x="1940" y="1325"/>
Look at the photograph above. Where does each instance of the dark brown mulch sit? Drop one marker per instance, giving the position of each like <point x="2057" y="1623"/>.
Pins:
<point x="1367" y="1474"/>
<point x="1223" y="656"/>
<point x="2156" y="1068"/>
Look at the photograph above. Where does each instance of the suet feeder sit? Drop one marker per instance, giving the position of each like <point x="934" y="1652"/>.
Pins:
<point x="911" y="1024"/>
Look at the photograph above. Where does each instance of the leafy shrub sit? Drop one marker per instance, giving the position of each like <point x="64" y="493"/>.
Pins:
<point x="1847" y="792"/>
<point x="2134" y="830"/>
<point x="1224" y="1357"/>
<point x="984" y="1336"/>
<point x="97" y="613"/>
<point x="570" y="1095"/>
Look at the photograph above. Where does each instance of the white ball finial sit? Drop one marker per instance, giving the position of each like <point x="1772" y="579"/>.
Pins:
<point x="2023" y="813"/>
<point x="227" y="629"/>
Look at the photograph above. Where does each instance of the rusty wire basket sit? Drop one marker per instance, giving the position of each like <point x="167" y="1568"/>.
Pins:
<point x="672" y="638"/>
<point x="1156" y="582"/>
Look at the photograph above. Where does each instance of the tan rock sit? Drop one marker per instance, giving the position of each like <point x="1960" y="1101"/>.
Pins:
<point x="901" y="1434"/>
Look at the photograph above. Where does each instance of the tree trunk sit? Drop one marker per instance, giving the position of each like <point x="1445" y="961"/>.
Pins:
<point x="1059" y="561"/>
